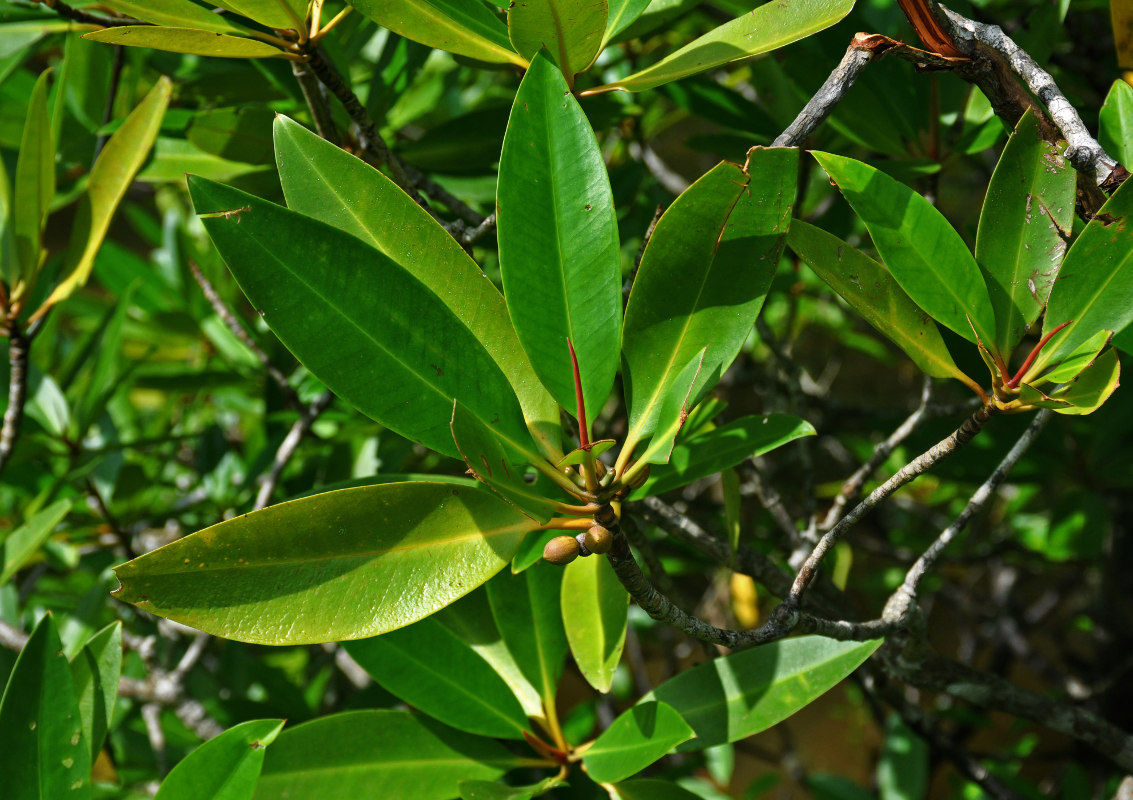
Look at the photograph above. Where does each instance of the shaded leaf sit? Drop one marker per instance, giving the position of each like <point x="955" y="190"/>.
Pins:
<point x="733" y="697"/>
<point x="380" y="753"/>
<point x="341" y="565"/>
<point x="641" y="735"/>
<point x="22" y="543"/>
<point x="177" y="14"/>
<point x="1026" y="218"/>
<point x="40" y="727"/>
<point x="110" y="177"/>
<point x="869" y="288"/>
<point x="903" y="768"/>
<point x="674" y="411"/>
<point x="571" y="30"/>
<point x="225" y="767"/>
<point x="494" y="790"/>
<point x="34" y="185"/>
<point x="528" y="615"/>
<point x="431" y="668"/>
<point x="185" y="40"/>
<point x="1116" y="122"/>
<point x="653" y="789"/>
<point x="458" y="26"/>
<point x="95" y="670"/>
<point x="622" y="13"/>
<point x="242" y="133"/>
<point x="709" y="453"/>
<point x="401" y="360"/>
<point x="559" y="251"/>
<point x="595" y="607"/>
<point x="921" y="249"/>
<point x="768" y="27"/>
<point x="281" y="14"/>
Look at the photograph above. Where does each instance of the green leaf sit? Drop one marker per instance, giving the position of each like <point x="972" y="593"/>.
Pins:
<point x="1091" y="388"/>
<point x="578" y="454"/>
<point x="903" y="769"/>
<point x="281" y="14"/>
<point x="369" y="330"/>
<point x="709" y="453"/>
<point x="1070" y="367"/>
<point x="224" y="768"/>
<point x="434" y="670"/>
<point x="622" y="13"/>
<point x="921" y="249"/>
<point x="733" y="697"/>
<point x="110" y="177"/>
<point x="327" y="183"/>
<point x="768" y="27"/>
<point x="379" y="753"/>
<point x="1095" y="282"/>
<point x="341" y="565"/>
<point x="241" y="134"/>
<point x="95" y="670"/>
<point x="495" y="790"/>
<point x="703" y="278"/>
<point x="463" y="27"/>
<point x="528" y="615"/>
<point x="558" y="240"/>
<point x="1116" y="122"/>
<point x="10" y="268"/>
<point x="641" y="735"/>
<point x="40" y="729"/>
<point x="869" y="288"/>
<point x="471" y="619"/>
<point x="495" y="465"/>
<point x="25" y="541"/>
<point x="596" y="608"/>
<point x="1026" y="219"/>
<point x="35" y="185"/>
<point x="571" y="30"/>
<point x="653" y="789"/>
<point x="177" y="14"/>
<point x="185" y="40"/>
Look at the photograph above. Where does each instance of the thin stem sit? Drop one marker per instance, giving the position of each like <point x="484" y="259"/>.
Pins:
<point x="573" y="524"/>
<point x="337" y="18"/>
<point x="18" y="347"/>
<point x="289" y="445"/>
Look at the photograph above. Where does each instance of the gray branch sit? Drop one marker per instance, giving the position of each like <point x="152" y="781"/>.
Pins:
<point x="18" y="347"/>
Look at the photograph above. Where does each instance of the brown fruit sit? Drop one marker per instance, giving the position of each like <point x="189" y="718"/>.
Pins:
<point x="598" y="539"/>
<point x="561" y="550"/>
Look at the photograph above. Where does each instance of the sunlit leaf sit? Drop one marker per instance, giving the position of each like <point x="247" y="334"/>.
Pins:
<point x="571" y="30"/>
<point x="95" y="670"/>
<point x="185" y="40"/>
<point x="177" y="14"/>
<point x="636" y="739"/>
<point x="595" y="607"/>
<point x="34" y="185"/>
<point x="340" y="565"/>
<point x="528" y="614"/>
<point x="464" y="27"/>
<point x="225" y="767"/>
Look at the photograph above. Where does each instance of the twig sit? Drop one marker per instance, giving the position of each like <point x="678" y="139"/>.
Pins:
<point x="120" y="534"/>
<point x="314" y="93"/>
<point x="854" y="483"/>
<point x="78" y="15"/>
<point x="290" y="444"/>
<point x="225" y="313"/>
<point x="770" y="499"/>
<point x="112" y="96"/>
<point x="18" y="347"/>
<point x="858" y="55"/>
<point x="469" y="236"/>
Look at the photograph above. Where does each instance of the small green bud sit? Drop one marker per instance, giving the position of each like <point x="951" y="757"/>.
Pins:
<point x="598" y="539"/>
<point x="561" y="550"/>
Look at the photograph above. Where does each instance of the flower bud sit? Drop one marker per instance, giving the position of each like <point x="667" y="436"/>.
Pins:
<point x="561" y="550"/>
<point x="598" y="539"/>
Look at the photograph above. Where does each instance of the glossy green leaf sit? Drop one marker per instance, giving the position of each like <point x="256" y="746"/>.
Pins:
<point x="22" y="543"/>
<point x="1095" y="282"/>
<point x="653" y="789"/>
<point x="596" y="608"/>
<point x="869" y="288"/>
<point x="703" y="278"/>
<point x="110" y="177"/>
<point x="637" y="738"/>
<point x="432" y="669"/>
<point x="903" y="768"/>
<point x="340" y="565"/>
<point x="379" y="753"/>
<point x="471" y="619"/>
<point x="1026" y="220"/>
<point x="578" y="454"/>
<point x="1086" y="393"/>
<point x="1116" y="122"/>
<point x="571" y="30"/>
<point x="282" y="14"/>
<point x="95" y="670"/>
<point x="558" y="240"/>
<point x="622" y="13"/>
<point x="494" y="463"/>
<point x="733" y="697"/>
<point x="327" y="183"/>
<point x="369" y="330"/>
<point x="674" y="411"/>
<point x="921" y="249"/>
<point x="722" y="448"/>
<point x="177" y="14"/>
<point x="528" y="614"/>
<point x="34" y="184"/>
<point x="185" y="40"/>
<point x="40" y="728"/>
<point x="464" y="27"/>
<point x="1071" y="366"/>
<point x="531" y="550"/>
<point x="766" y="28"/>
<point x="224" y="768"/>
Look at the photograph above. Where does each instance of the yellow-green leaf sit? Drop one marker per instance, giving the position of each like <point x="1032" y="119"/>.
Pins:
<point x="185" y="40"/>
